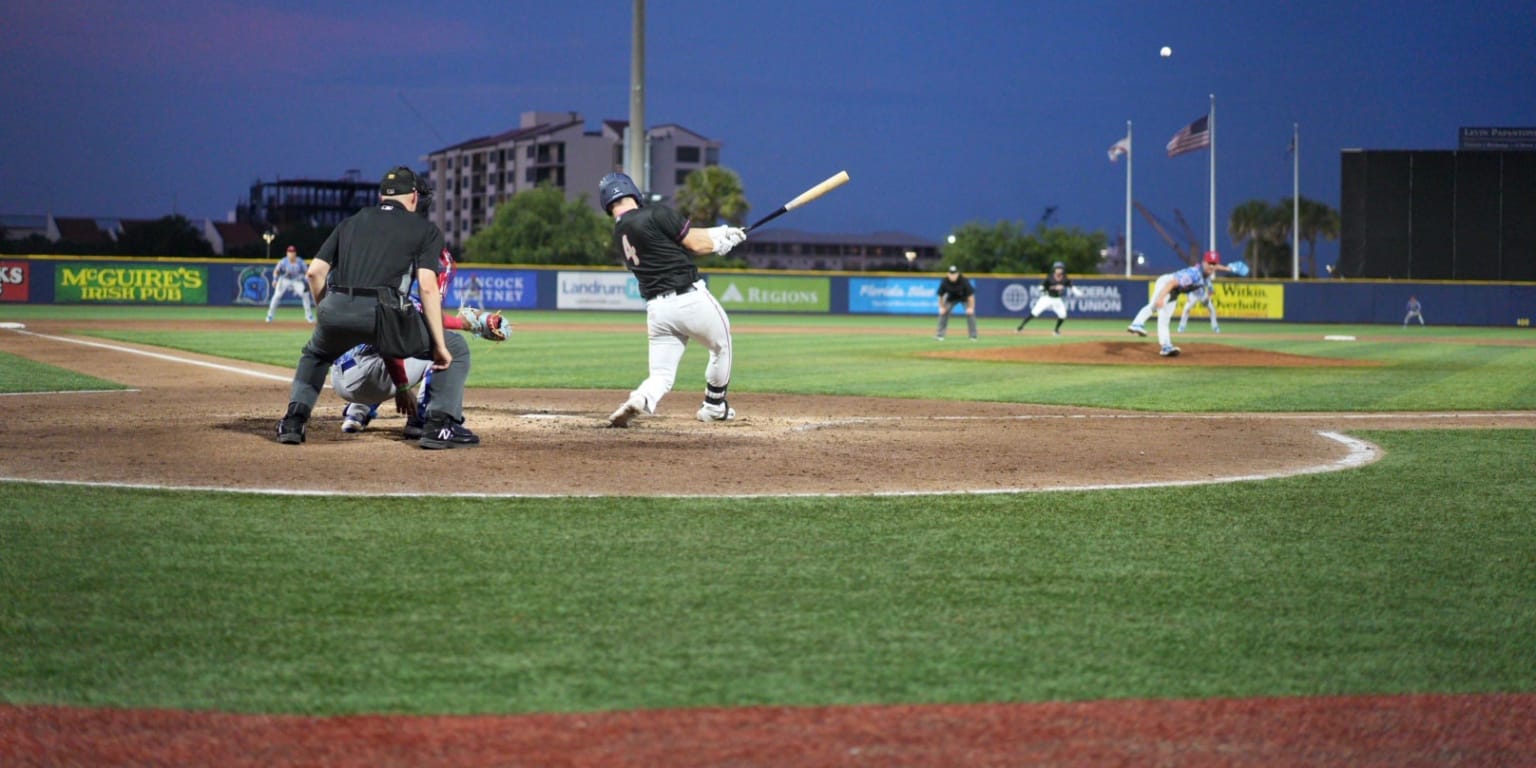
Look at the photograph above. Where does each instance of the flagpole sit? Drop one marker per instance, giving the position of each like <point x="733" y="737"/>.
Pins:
<point x="1211" y="243"/>
<point x="1296" y="201"/>
<point x="1130" y="157"/>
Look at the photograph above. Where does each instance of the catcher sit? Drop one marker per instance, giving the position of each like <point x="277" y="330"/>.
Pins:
<point x="364" y="378"/>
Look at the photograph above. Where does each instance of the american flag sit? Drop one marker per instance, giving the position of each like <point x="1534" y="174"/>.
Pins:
<point x="1119" y="148"/>
<point x="1196" y="135"/>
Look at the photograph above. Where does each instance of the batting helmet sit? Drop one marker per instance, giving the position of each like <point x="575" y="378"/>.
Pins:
<point x="1212" y="257"/>
<point x="615" y="187"/>
<point x="1059" y="265"/>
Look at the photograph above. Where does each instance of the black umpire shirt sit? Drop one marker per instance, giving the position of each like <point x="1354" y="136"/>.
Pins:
<point x="650" y="241"/>
<point x="377" y="247"/>
<point x="955" y="291"/>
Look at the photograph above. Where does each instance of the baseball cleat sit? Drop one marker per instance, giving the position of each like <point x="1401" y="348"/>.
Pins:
<point x="447" y="434"/>
<point x="413" y="428"/>
<point x="1215" y="329"/>
<point x="721" y="412"/>
<point x="351" y="426"/>
<point x="1136" y="329"/>
<point x="290" y="431"/>
<point x="626" y="413"/>
<point x="1170" y="351"/>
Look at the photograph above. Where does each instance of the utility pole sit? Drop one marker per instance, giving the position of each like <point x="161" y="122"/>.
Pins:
<point x="634" y="137"/>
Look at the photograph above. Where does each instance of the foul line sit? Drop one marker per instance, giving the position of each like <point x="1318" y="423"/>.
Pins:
<point x="158" y="356"/>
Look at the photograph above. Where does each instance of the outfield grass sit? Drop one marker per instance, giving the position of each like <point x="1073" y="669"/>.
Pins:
<point x="1418" y="369"/>
<point x="1396" y="577"/>
<point x="1414" y="574"/>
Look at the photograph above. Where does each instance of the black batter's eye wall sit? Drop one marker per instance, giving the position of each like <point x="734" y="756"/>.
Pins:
<point x="1438" y="215"/>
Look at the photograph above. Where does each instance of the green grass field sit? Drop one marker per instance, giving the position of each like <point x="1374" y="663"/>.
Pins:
<point x="1414" y="574"/>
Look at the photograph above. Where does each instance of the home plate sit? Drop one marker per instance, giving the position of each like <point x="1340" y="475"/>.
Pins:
<point x="1338" y="338"/>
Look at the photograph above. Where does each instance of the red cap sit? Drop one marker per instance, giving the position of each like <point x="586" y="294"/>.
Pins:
<point x="1211" y="257"/>
<point x="293" y="249"/>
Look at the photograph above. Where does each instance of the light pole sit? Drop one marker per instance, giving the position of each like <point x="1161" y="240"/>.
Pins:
<point x="269" y="236"/>
<point x="911" y="261"/>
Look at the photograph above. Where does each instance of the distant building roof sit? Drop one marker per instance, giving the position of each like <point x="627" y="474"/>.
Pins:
<point x="82" y="231"/>
<point x="236" y="233"/>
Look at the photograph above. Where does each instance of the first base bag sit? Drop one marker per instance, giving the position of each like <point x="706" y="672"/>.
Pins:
<point x="399" y="329"/>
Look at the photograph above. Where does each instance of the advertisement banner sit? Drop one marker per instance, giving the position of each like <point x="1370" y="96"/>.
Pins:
<point x="137" y="284"/>
<point x="772" y="294"/>
<point x="894" y="295"/>
<point x="14" y="280"/>
<point x="598" y="290"/>
<point x="253" y="285"/>
<point x="1095" y="299"/>
<point x="1261" y="301"/>
<point x="493" y="289"/>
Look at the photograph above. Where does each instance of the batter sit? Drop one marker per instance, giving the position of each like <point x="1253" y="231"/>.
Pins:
<point x="658" y="245"/>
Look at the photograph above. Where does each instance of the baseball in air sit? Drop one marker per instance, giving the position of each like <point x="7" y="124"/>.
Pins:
<point x="1165" y="52"/>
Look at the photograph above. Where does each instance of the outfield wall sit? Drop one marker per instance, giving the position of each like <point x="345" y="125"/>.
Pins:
<point x="218" y="282"/>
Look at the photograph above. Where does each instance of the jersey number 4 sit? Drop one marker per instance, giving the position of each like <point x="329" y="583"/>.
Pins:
<point x="630" y="254"/>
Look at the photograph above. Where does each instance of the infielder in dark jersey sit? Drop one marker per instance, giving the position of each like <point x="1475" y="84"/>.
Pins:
<point x="1053" y="292"/>
<point x="954" y="290"/>
<point x="367" y="259"/>
<point x="658" y="245"/>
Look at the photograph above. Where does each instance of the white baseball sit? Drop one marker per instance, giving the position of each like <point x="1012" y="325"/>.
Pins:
<point x="1166" y="52"/>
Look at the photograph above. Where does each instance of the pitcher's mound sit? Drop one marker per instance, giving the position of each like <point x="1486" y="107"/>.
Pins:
<point x="1145" y="353"/>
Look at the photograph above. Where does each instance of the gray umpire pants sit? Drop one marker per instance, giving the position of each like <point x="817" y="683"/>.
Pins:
<point x="970" y="320"/>
<point x="343" y="322"/>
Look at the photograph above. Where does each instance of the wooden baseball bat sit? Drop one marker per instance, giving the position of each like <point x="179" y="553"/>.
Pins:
<point x="833" y="182"/>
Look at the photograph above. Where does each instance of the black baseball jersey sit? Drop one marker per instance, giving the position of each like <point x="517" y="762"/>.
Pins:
<point x="650" y="242"/>
<point x="1056" y="288"/>
<point x="955" y="291"/>
<point x="376" y="246"/>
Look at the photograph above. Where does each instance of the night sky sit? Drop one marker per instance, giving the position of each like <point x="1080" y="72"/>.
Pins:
<point x="943" y="113"/>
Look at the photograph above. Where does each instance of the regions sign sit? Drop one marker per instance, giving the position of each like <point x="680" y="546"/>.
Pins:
<point x="598" y="290"/>
<point x="894" y="295"/>
<point x="137" y="284"/>
<point x="772" y="294"/>
<point x="14" y="280"/>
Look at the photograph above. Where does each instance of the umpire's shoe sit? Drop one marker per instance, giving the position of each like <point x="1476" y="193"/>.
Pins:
<point x="290" y="430"/>
<point x="444" y="432"/>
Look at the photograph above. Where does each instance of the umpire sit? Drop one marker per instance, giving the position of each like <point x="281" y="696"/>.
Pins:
<point x="955" y="291"/>
<point x="367" y="258"/>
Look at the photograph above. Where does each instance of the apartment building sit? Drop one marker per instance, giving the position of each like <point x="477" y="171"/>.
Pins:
<point x="471" y="178"/>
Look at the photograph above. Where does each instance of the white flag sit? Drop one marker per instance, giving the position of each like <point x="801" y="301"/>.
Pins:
<point x="1121" y="147"/>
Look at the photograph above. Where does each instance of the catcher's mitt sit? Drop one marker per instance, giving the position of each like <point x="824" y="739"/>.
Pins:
<point x="487" y="325"/>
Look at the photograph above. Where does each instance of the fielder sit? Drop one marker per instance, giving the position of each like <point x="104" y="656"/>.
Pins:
<point x="288" y="277"/>
<point x="1204" y="295"/>
<point x="658" y="245"/>
<point x="1415" y="310"/>
<point x="1053" y="288"/>
<point x="1165" y="294"/>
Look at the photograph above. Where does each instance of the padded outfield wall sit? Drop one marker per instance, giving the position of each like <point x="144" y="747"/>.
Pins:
<point x="217" y="282"/>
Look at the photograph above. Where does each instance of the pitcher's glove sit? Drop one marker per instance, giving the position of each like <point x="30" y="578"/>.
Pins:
<point x="487" y="325"/>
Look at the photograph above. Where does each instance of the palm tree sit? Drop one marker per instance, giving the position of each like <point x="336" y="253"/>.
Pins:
<point x="1316" y="220"/>
<point x="712" y="194"/>
<point x="1258" y="223"/>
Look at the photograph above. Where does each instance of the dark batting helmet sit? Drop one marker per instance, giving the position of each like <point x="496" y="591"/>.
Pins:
<point x="1059" y="265"/>
<point x="614" y="187"/>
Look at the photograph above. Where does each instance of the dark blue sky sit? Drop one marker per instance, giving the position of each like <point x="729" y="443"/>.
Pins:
<point x="943" y="113"/>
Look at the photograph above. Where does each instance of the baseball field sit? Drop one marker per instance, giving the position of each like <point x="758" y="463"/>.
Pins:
<point x="1276" y="548"/>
